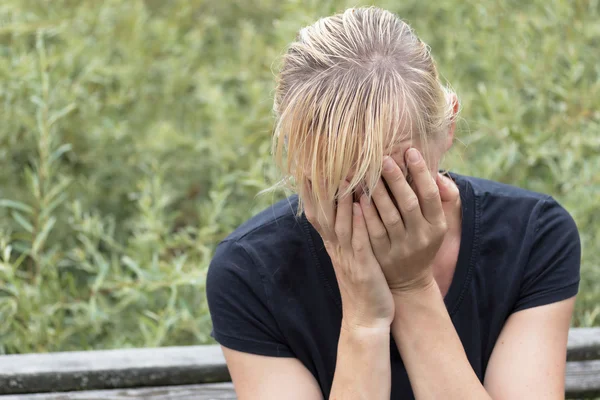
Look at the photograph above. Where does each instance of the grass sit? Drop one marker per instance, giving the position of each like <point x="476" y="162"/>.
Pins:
<point x="135" y="135"/>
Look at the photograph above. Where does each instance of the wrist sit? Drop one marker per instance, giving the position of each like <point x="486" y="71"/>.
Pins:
<point x="418" y="303"/>
<point x="422" y="284"/>
<point x="363" y="341"/>
<point x="360" y="331"/>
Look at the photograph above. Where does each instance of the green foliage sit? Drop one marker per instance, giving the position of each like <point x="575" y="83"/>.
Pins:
<point x="135" y="135"/>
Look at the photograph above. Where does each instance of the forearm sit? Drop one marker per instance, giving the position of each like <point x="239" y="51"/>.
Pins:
<point x="363" y="365"/>
<point x="431" y="349"/>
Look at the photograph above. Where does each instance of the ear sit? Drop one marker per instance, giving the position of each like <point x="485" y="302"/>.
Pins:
<point x="455" y="107"/>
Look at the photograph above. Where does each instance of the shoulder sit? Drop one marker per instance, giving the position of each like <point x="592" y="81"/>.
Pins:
<point x="485" y="189"/>
<point x="262" y="242"/>
<point x="274" y="221"/>
<point x="509" y="222"/>
<point x="530" y="240"/>
<point x="249" y="256"/>
<point x="506" y="204"/>
<point x="239" y="296"/>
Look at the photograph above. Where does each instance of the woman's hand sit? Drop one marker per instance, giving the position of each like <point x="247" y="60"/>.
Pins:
<point x="405" y="239"/>
<point x="367" y="301"/>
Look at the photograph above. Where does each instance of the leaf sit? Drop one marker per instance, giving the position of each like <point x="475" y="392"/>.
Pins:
<point x="37" y="101"/>
<point x="43" y="235"/>
<point x="59" y="152"/>
<point x="17" y="205"/>
<point x="52" y="205"/>
<point x="61" y="114"/>
<point x="132" y="265"/>
<point x="6" y="253"/>
<point x="21" y="247"/>
<point x="153" y="316"/>
<point x="20" y="219"/>
<point x="58" y="188"/>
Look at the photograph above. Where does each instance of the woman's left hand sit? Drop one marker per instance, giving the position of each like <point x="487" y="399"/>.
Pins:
<point x="405" y="239"/>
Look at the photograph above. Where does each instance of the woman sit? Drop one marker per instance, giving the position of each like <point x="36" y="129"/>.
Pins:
<point x="382" y="278"/>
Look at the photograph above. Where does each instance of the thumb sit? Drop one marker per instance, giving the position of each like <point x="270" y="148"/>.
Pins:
<point x="448" y="189"/>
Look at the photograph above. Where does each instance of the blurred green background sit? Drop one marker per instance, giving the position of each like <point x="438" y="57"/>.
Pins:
<point x="135" y="135"/>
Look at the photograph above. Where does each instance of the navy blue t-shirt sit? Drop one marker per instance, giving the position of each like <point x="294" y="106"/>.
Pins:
<point x="272" y="291"/>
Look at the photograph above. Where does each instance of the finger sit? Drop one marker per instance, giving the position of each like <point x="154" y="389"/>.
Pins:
<point x="360" y="237"/>
<point x="312" y="212"/>
<point x="390" y="214"/>
<point x="448" y="190"/>
<point x="408" y="203"/>
<point x="426" y="188"/>
<point x="377" y="232"/>
<point x="325" y="215"/>
<point x="343" y="219"/>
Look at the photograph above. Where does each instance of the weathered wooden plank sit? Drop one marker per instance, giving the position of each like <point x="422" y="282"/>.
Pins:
<point x="581" y="382"/>
<point x="582" y="379"/>
<point x="584" y="344"/>
<point x="211" y="391"/>
<point x="109" y="369"/>
<point x="134" y="368"/>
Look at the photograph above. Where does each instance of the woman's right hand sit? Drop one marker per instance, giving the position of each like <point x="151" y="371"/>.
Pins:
<point x="367" y="301"/>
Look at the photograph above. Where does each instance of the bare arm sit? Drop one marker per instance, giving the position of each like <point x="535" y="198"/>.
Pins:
<point x="528" y="360"/>
<point x="270" y="378"/>
<point x="362" y="371"/>
<point x="435" y="360"/>
<point x="363" y="368"/>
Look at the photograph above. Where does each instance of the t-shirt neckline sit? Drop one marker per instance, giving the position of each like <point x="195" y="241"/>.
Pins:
<point x="466" y="254"/>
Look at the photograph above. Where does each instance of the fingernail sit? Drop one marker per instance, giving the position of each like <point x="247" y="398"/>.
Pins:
<point x="448" y="182"/>
<point x="441" y="179"/>
<point x="413" y="155"/>
<point x="388" y="164"/>
<point x="356" y="209"/>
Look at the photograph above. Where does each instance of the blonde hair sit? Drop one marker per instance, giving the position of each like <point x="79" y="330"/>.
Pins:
<point x="350" y="87"/>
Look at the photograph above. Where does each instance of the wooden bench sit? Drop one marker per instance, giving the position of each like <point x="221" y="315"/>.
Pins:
<point x="196" y="372"/>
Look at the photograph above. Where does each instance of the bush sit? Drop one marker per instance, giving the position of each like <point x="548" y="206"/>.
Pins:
<point x="135" y="135"/>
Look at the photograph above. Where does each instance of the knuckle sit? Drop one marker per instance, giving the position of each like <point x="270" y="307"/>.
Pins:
<point x="342" y="232"/>
<point x="411" y="204"/>
<point x="424" y="241"/>
<point x="394" y="219"/>
<point x="431" y="193"/>
<point x="443" y="226"/>
<point x="379" y="234"/>
<point x="360" y="248"/>
<point x="360" y="276"/>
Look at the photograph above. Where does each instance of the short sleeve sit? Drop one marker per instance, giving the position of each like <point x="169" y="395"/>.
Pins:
<point x="553" y="270"/>
<point x="238" y="305"/>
